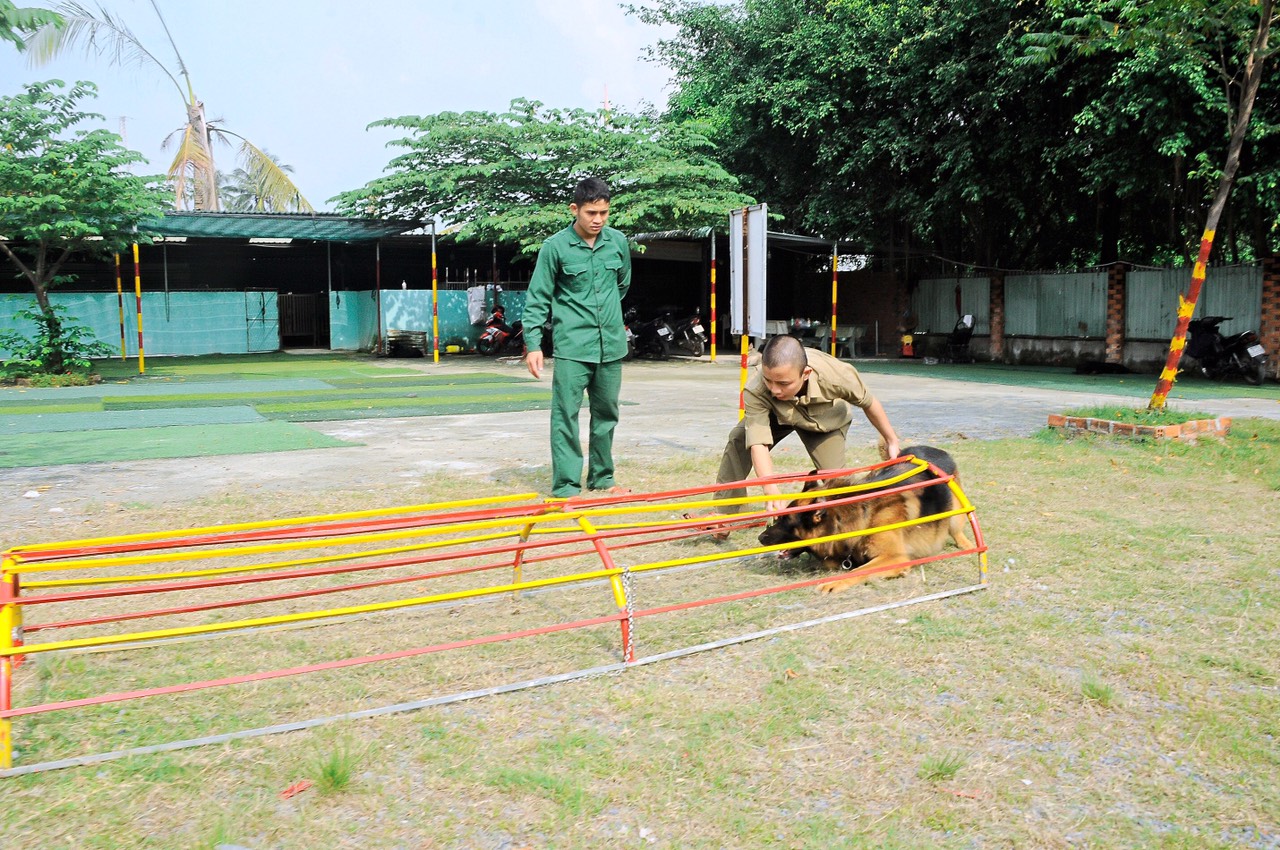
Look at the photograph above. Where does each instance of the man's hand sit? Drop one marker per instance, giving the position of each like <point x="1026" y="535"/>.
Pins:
<point x="777" y="503"/>
<point x="892" y="449"/>
<point x="533" y="360"/>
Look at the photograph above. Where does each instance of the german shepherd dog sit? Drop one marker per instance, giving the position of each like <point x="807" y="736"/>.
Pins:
<point x="863" y="555"/>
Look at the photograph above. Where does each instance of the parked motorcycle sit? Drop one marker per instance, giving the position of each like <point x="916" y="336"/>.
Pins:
<point x="1221" y="357"/>
<point x="653" y="337"/>
<point x="500" y="338"/>
<point x="689" y="334"/>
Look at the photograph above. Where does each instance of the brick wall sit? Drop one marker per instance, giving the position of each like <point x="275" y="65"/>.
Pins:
<point x="1269" y="328"/>
<point x="1115" y="313"/>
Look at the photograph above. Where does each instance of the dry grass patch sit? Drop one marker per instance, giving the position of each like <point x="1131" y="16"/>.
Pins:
<point x="1116" y="687"/>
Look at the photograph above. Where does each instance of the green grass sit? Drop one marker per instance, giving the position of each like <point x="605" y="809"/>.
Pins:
<point x="941" y="768"/>
<point x="1137" y="416"/>
<point x="1188" y="386"/>
<point x="334" y="768"/>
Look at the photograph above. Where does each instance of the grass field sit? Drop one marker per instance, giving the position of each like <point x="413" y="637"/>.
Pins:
<point x="1116" y="687"/>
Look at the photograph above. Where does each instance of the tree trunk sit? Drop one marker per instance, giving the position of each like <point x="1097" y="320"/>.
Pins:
<point x="1187" y="304"/>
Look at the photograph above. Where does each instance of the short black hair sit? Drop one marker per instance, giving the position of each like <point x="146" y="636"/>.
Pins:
<point x="784" y="350"/>
<point x="590" y="189"/>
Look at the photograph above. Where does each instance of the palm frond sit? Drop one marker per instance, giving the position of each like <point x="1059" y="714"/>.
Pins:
<point x="100" y="34"/>
<point x="191" y="162"/>
<point x="276" y="192"/>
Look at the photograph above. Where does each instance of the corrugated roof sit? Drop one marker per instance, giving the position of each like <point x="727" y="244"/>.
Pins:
<point x="696" y="233"/>
<point x="321" y="227"/>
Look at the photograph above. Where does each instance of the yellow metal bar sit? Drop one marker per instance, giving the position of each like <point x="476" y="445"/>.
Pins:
<point x="6" y="702"/>
<point x="742" y="379"/>
<point x="261" y="524"/>
<point x="286" y="546"/>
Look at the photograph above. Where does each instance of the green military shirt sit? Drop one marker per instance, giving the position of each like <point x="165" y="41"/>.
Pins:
<point x="825" y="404"/>
<point x="582" y="287"/>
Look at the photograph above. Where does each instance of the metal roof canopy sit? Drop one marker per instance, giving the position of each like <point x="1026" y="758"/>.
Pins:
<point x="320" y="227"/>
<point x="804" y="244"/>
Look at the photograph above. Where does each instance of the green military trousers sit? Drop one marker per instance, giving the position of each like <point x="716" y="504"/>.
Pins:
<point x="602" y="383"/>
<point x="825" y="450"/>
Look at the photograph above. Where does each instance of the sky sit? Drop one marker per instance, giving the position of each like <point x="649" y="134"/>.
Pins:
<point x="303" y="79"/>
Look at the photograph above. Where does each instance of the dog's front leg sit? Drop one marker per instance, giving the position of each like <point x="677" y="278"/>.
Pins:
<point x="871" y="569"/>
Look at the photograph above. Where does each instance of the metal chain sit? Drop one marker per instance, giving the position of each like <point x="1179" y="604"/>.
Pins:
<point x="631" y="631"/>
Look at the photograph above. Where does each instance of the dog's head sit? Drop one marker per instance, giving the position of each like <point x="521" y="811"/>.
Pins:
<point x="800" y="526"/>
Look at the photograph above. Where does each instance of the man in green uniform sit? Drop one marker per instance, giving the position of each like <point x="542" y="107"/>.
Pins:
<point x="805" y="391"/>
<point x="581" y="276"/>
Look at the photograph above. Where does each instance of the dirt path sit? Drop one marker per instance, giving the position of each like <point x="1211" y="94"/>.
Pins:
<point x="672" y="409"/>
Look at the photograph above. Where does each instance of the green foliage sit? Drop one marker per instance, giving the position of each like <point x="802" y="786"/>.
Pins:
<point x="508" y="177"/>
<point x="15" y="22"/>
<point x="56" y="348"/>
<point x="965" y="131"/>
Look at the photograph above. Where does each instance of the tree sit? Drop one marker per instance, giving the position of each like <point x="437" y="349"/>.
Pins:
<point x="65" y="192"/>
<point x="15" y="22"/>
<point x="1226" y="40"/>
<point x="505" y="178"/>
<point x="923" y="128"/>
<point x="193" y="161"/>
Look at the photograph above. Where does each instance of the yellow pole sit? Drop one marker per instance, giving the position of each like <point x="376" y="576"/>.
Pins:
<point x="713" y="295"/>
<point x="137" y="290"/>
<point x="10" y="631"/>
<point x="435" y="304"/>
<point x="742" y="377"/>
<point x="120" y="302"/>
<point x="835" y="264"/>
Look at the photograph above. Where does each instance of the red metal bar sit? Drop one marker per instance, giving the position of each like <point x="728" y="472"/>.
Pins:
<point x="264" y="676"/>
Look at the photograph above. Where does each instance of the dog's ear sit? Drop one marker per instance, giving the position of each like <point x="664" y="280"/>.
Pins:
<point x="811" y="485"/>
<point x="817" y="515"/>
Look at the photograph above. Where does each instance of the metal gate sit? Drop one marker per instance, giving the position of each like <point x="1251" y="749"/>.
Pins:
<point x="262" y="320"/>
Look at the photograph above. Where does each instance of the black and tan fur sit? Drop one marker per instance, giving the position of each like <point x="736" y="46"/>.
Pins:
<point x="863" y="556"/>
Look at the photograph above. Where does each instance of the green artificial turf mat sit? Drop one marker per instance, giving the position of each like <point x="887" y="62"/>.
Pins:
<point x="119" y="420"/>
<point x="148" y="443"/>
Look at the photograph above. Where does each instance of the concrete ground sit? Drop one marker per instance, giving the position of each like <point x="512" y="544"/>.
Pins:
<point x="671" y="409"/>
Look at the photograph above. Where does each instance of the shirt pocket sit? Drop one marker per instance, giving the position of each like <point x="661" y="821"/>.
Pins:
<point x="613" y="268"/>
<point x="577" y="276"/>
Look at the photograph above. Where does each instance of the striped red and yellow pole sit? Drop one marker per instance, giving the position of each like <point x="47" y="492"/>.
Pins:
<point x="1186" y="307"/>
<point x="713" y="296"/>
<point x="137" y="290"/>
<point x="10" y="637"/>
<point x="435" y="307"/>
<point x="835" y="267"/>
<point x="120" y="303"/>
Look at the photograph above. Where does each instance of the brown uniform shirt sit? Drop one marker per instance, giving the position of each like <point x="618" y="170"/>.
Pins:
<point x="825" y="404"/>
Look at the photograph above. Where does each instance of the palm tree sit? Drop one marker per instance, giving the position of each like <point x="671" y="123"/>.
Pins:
<point x="195" y="179"/>
<point x="248" y="189"/>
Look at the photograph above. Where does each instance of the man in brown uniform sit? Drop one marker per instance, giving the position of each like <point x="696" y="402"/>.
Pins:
<point x="799" y="390"/>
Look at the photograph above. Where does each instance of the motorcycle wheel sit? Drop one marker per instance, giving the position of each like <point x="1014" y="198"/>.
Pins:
<point x="486" y="346"/>
<point x="1255" y="374"/>
<point x="696" y="348"/>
